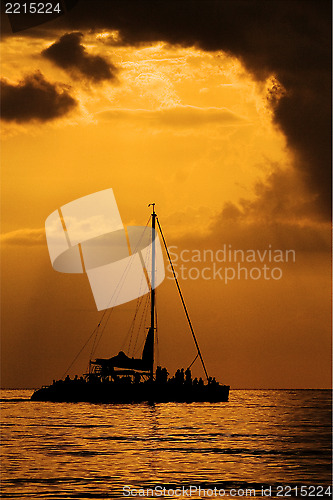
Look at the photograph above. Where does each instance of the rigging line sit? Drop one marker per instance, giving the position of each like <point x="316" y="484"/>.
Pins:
<point x="193" y="362"/>
<point x="141" y="345"/>
<point x="131" y="327"/>
<point x="119" y="287"/>
<point x="107" y="310"/>
<point x="96" y="342"/>
<point x="139" y="302"/>
<point x="93" y="346"/>
<point x="145" y="304"/>
<point x="117" y="291"/>
<point x="97" y="331"/>
<point x="183" y="302"/>
<point x="78" y="354"/>
<point x="101" y="332"/>
<point x="142" y="320"/>
<point x="122" y="279"/>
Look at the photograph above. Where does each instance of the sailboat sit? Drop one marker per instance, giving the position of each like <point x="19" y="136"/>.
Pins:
<point x="125" y="379"/>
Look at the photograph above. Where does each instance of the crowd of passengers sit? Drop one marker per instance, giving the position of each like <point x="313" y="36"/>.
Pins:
<point x="181" y="377"/>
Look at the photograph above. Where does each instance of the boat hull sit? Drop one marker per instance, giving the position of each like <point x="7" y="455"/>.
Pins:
<point x="108" y="392"/>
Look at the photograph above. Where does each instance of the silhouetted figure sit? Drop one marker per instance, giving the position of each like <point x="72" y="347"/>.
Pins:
<point x="200" y="383"/>
<point x="188" y="377"/>
<point x="161" y="375"/>
<point x="177" y="377"/>
<point x="195" y="382"/>
<point x="158" y="374"/>
<point x="164" y="375"/>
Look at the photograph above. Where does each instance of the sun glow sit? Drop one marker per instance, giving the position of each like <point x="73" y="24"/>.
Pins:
<point x="190" y="130"/>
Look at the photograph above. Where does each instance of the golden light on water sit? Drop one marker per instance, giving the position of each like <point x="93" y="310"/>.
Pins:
<point x="258" y="438"/>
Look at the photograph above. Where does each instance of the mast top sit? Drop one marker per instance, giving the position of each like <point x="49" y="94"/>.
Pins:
<point x="153" y="205"/>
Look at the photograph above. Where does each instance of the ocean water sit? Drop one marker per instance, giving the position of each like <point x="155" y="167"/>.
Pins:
<point x="260" y="443"/>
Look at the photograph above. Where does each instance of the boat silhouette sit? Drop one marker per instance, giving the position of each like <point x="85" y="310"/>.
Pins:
<point x="125" y="379"/>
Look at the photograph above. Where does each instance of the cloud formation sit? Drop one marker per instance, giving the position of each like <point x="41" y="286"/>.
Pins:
<point x="24" y="237"/>
<point x="280" y="214"/>
<point x="69" y="54"/>
<point x="34" y="98"/>
<point x="180" y="116"/>
<point x="290" y="40"/>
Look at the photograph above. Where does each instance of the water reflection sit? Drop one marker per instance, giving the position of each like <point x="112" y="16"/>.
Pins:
<point x="259" y="437"/>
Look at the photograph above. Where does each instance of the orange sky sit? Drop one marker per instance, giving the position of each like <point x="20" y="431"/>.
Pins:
<point x="193" y="132"/>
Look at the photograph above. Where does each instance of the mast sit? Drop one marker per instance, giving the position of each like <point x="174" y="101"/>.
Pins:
<point x="152" y="291"/>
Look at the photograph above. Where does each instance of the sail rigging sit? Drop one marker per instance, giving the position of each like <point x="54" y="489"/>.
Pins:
<point x="146" y="362"/>
<point x="183" y="302"/>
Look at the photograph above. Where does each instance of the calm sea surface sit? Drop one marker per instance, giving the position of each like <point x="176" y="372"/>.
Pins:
<point x="259" y="439"/>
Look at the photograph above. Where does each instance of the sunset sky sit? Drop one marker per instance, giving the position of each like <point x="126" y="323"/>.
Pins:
<point x="219" y="112"/>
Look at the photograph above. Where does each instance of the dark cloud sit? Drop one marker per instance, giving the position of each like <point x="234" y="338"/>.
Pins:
<point x="290" y="39"/>
<point x="281" y="214"/>
<point x="34" y="98"/>
<point x="69" y="54"/>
